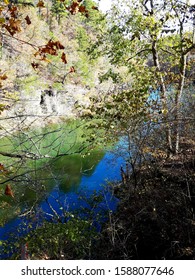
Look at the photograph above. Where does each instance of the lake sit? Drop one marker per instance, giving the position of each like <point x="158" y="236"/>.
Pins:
<point x="60" y="186"/>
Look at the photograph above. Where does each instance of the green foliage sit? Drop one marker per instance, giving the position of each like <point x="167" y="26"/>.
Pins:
<point x="115" y="76"/>
<point x="58" y="8"/>
<point x="25" y="57"/>
<point x="71" y="240"/>
<point x="83" y="38"/>
<point x="149" y="41"/>
<point x="70" y="235"/>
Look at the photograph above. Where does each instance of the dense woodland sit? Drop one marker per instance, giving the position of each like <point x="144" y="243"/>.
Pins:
<point x="74" y="81"/>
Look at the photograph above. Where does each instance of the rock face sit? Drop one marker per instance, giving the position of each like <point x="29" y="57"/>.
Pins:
<point x="44" y="107"/>
<point x="40" y="107"/>
<point x="49" y="102"/>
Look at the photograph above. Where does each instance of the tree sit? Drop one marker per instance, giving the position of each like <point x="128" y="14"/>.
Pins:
<point x="153" y="40"/>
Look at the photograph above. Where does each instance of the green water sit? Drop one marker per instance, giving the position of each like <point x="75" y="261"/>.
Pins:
<point x="65" y="153"/>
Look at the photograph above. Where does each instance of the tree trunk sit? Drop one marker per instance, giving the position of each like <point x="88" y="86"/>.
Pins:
<point x="2" y="45"/>
<point x="163" y="94"/>
<point x="178" y="101"/>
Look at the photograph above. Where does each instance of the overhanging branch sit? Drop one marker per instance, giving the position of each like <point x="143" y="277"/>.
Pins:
<point x="138" y="53"/>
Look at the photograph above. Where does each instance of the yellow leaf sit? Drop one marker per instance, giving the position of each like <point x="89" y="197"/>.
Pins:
<point x="164" y="111"/>
<point x="6" y="2"/>
<point x="2" y="20"/>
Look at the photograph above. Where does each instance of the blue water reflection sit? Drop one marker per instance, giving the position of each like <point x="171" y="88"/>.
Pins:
<point x="108" y="169"/>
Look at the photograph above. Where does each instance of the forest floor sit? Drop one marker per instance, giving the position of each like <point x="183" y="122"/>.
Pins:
<point x="156" y="216"/>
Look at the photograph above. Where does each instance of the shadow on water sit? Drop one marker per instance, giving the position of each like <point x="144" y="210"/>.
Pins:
<point x="73" y="178"/>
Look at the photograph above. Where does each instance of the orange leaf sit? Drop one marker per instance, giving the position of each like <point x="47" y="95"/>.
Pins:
<point x="8" y="191"/>
<point x="74" y="8"/>
<point x="2" y="168"/>
<point x="13" y="11"/>
<point x="13" y="26"/>
<point x="82" y="9"/>
<point x="48" y="50"/>
<point x="41" y="4"/>
<point x="63" y="58"/>
<point x="28" y="21"/>
<point x="4" y="77"/>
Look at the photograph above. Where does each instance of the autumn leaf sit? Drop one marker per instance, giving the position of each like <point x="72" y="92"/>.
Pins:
<point x="41" y="4"/>
<point x="37" y="53"/>
<point x="94" y="8"/>
<point x="63" y="58"/>
<point x="13" y="27"/>
<point x="2" y="168"/>
<point x="50" y="48"/>
<point x="3" y="77"/>
<point x="13" y="12"/>
<point x="74" y="8"/>
<point x="1" y="9"/>
<point x="35" y="65"/>
<point x="8" y="191"/>
<point x="83" y="10"/>
<point x="58" y="45"/>
<point x="72" y="69"/>
<point x="28" y="21"/>
<point x="9" y="30"/>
